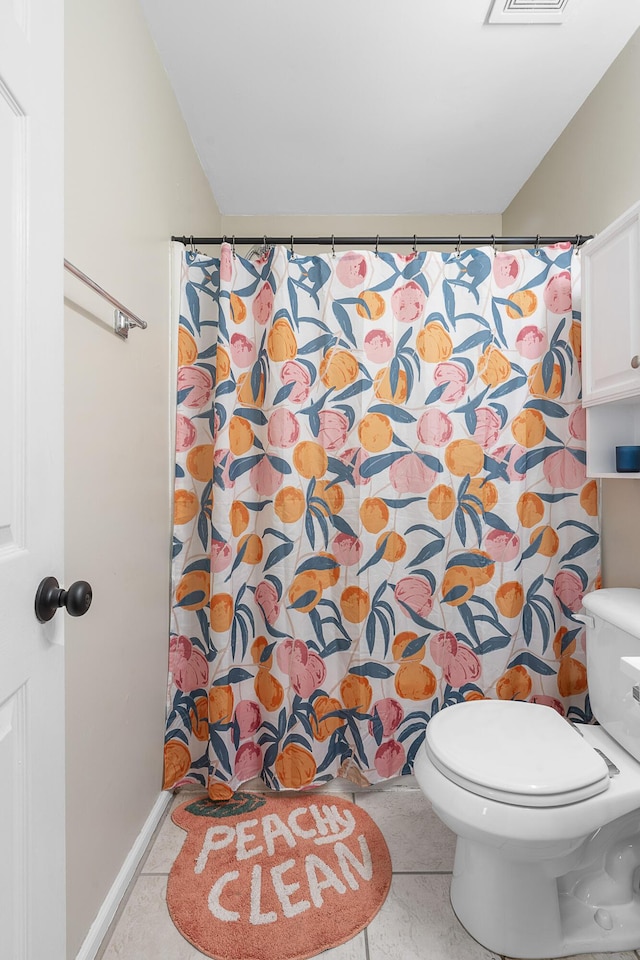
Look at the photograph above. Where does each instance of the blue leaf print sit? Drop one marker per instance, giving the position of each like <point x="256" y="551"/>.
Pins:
<point x="317" y="563"/>
<point x="493" y="520"/>
<point x="548" y="363"/>
<point x="493" y="643"/>
<point x="187" y="325"/>
<point x="469" y="560"/>
<point x="375" y="465"/>
<point x="394" y="413"/>
<point x="533" y="457"/>
<point x="412" y="751"/>
<point x="370" y="632"/>
<point x="343" y="319"/>
<point x="377" y="556"/>
<point x="340" y="643"/>
<point x="467" y="615"/>
<point x="508" y="387"/>
<point x="449" y="301"/>
<point x="342" y="526"/>
<point x="318" y="345"/>
<point x="235" y="675"/>
<point x="579" y="548"/>
<point x="277" y="554"/>
<point x="436" y="393"/>
<point x="293" y="298"/>
<point x="482" y="338"/>
<point x="461" y="530"/>
<point x="399" y="504"/>
<point x="394" y="373"/>
<point x="244" y="464"/>
<point x="252" y="414"/>
<point x="527" y="659"/>
<point x="279" y="464"/>
<point x="356" y="388"/>
<point x="283" y="393"/>
<point x="194" y="305"/>
<point x="227" y="386"/>
<point x="203" y="528"/>
<point x="467" y="364"/>
<point x="550" y="409"/>
<point x="374" y="670"/>
<point x="414" y="646"/>
<point x="431" y="462"/>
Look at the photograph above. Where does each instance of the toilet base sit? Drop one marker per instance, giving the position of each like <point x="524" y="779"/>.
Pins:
<point x="523" y="909"/>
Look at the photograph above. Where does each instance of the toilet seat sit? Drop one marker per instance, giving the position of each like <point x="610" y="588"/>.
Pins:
<point x="518" y="753"/>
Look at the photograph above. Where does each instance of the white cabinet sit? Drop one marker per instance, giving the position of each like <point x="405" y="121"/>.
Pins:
<point x="611" y="342"/>
<point x="611" y="314"/>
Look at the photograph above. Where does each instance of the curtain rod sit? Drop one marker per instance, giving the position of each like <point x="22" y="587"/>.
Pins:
<point x="577" y="240"/>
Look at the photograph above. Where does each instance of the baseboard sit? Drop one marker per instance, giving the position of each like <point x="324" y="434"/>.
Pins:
<point x="107" y="911"/>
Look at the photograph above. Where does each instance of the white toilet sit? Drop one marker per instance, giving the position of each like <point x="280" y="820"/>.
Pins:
<point x="547" y="814"/>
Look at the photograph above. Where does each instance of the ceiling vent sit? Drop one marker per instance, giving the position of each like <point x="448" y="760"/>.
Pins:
<point x="528" y="11"/>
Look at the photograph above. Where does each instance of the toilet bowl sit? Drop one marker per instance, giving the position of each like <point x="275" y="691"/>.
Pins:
<point x="547" y="813"/>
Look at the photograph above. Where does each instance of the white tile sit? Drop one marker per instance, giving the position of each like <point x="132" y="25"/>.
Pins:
<point x="418" y="840"/>
<point x="340" y="785"/>
<point x="145" y="930"/>
<point x="416" y="921"/>
<point x="627" y="955"/>
<point x="397" y="783"/>
<point x="337" y="785"/>
<point x="169" y="839"/>
<point x="354" y="949"/>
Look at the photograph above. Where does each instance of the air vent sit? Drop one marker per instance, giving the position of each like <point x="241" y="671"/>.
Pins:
<point x="528" y="11"/>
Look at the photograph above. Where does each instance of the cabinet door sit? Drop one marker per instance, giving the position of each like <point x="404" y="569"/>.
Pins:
<point x="611" y="311"/>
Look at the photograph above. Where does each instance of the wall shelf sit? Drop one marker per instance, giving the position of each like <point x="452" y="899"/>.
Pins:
<point x="610" y="425"/>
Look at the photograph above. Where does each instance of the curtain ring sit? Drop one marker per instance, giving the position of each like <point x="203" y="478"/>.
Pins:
<point x="536" y="252"/>
<point x="265" y="244"/>
<point x="576" y="246"/>
<point x="233" y="246"/>
<point x="459" y="244"/>
<point x="333" y="246"/>
<point x="415" y="245"/>
<point x="377" y="242"/>
<point x="193" y="249"/>
<point x="493" y="244"/>
<point x="292" y="253"/>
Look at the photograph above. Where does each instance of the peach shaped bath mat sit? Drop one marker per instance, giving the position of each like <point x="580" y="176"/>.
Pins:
<point x="268" y="877"/>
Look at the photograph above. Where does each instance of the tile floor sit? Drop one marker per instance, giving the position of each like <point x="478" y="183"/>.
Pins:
<point x="416" y="921"/>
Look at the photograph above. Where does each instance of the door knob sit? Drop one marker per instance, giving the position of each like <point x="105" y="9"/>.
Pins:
<point x="635" y="362"/>
<point x="50" y="596"/>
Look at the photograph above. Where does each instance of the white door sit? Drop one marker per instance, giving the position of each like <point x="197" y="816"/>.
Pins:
<point x="32" y="880"/>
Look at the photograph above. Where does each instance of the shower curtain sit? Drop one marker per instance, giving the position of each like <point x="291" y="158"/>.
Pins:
<point x="381" y="506"/>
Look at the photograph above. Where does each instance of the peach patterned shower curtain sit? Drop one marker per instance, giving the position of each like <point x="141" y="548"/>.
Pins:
<point x="381" y="506"/>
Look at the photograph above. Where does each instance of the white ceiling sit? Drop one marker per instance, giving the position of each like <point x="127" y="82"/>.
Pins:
<point x="375" y="106"/>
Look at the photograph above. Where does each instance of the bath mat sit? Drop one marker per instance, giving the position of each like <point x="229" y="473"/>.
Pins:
<point x="267" y="877"/>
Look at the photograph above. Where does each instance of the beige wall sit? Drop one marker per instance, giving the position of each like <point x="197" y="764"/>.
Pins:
<point x="132" y="179"/>
<point x="589" y="177"/>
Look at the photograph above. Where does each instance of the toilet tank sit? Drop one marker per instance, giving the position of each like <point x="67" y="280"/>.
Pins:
<point x="613" y="639"/>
